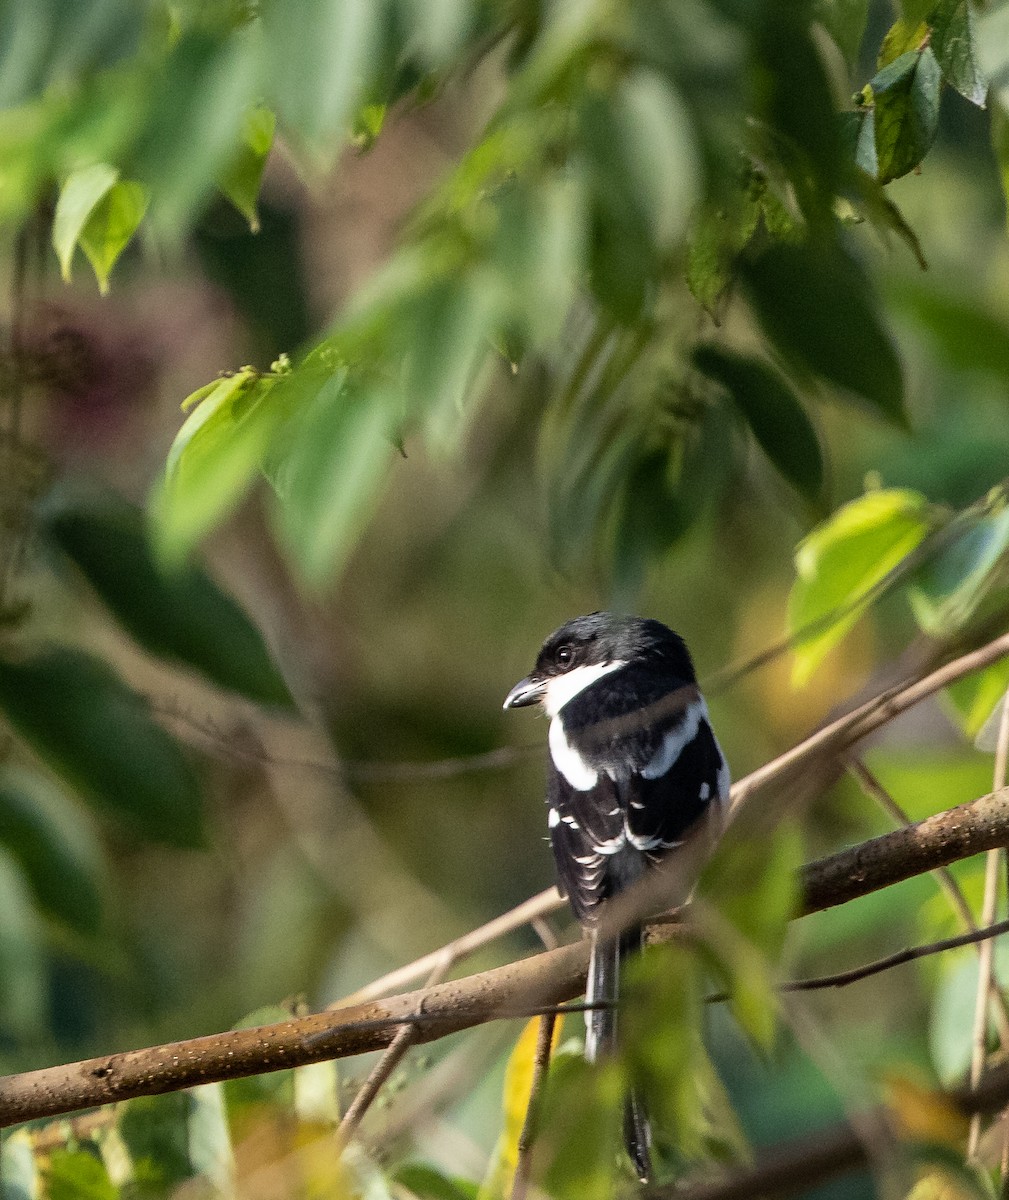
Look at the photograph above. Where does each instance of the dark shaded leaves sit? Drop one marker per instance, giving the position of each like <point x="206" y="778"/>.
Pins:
<point x="100" y="737"/>
<point x="816" y="305"/>
<point x="773" y="411"/>
<point x="183" y="615"/>
<point x="906" y="112"/>
<point x="954" y="41"/>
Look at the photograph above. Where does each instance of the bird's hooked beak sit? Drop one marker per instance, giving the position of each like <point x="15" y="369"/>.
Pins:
<point x="527" y="691"/>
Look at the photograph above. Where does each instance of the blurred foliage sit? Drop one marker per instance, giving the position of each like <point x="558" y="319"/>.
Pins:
<point x="656" y="333"/>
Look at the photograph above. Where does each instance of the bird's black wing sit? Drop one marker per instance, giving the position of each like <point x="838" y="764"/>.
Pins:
<point x="661" y="812"/>
<point x="581" y="822"/>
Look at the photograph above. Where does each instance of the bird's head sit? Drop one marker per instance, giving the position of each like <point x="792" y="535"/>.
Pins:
<point x="587" y="648"/>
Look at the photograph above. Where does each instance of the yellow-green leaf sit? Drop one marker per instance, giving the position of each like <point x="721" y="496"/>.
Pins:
<point x="515" y="1105"/>
<point x="80" y="194"/>
<point x="241" y="181"/>
<point x="113" y="221"/>
<point x="842" y="561"/>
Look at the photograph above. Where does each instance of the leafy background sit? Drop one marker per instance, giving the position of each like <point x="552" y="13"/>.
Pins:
<point x="487" y="315"/>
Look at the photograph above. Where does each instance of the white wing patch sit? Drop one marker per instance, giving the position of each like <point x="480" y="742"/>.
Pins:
<point x="563" y="688"/>
<point x="568" y="761"/>
<point x="675" y="740"/>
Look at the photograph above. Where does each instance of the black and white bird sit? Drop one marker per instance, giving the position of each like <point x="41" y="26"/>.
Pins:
<point x="635" y="773"/>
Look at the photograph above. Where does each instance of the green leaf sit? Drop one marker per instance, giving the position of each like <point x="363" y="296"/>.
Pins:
<point x="905" y="112"/>
<point x="156" y="1133"/>
<point x="317" y="1093"/>
<point x="845" y="21"/>
<point x="816" y="305"/>
<point x="773" y="411"/>
<point x="78" y="1175"/>
<point x="428" y="1183"/>
<point x="947" y="590"/>
<point x="19" y="1176"/>
<point x="975" y="696"/>
<point x="181" y="615"/>
<point x="840" y="563"/>
<point x="955" y="45"/>
<point x="580" y="1129"/>
<point x="243" y="177"/>
<point x="331" y="476"/>
<point x="111" y="224"/>
<point x="55" y="846"/>
<point x="80" y="194"/>
<point x="216" y="456"/>
<point x="23" y="975"/>
<point x="902" y="37"/>
<point x="99" y="736"/>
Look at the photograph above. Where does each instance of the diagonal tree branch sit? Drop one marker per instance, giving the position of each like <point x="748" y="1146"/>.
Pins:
<point x="512" y="990"/>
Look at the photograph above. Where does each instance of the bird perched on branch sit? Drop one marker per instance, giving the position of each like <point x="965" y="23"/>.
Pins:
<point x="635" y="776"/>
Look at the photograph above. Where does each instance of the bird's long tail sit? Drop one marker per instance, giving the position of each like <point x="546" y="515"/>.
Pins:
<point x="602" y="989"/>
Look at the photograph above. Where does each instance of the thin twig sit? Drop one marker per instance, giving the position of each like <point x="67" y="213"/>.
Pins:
<point x="541" y="1064"/>
<point x="986" y="981"/>
<point x="406" y="1037"/>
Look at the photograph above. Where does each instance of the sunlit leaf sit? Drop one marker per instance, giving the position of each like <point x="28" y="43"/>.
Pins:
<point x="954" y="42"/>
<point x="947" y="590"/>
<point x="100" y="737"/>
<point x="180" y="615"/>
<point x="111" y="224"/>
<point x="241" y="181"/>
<point x="975" y="696"/>
<point x="817" y="307"/>
<point x="515" y="1106"/>
<point x="216" y="456"/>
<point x="773" y="411"/>
<point x="80" y="194"/>
<point x="906" y="112"/>
<point x="317" y="1093"/>
<point x="78" y="1174"/>
<point x="841" y="561"/>
<point x="902" y="37"/>
<point x="56" y="847"/>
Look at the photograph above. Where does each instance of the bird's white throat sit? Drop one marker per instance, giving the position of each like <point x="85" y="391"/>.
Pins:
<point x="563" y="688"/>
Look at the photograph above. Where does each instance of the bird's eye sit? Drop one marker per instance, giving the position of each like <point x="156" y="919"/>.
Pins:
<point x="564" y="656"/>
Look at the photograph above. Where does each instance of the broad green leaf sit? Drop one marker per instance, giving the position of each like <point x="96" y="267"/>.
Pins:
<point x="322" y="83"/>
<point x="241" y="181"/>
<point x="975" y="696"/>
<point x="952" y="1014"/>
<point x="947" y="590"/>
<point x="55" y="846"/>
<point x="214" y="460"/>
<point x="816" y="305"/>
<point x="156" y="1132"/>
<point x="429" y="1183"/>
<point x="210" y="1152"/>
<point x="905" y="112"/>
<point x="773" y="411"/>
<point x="23" y="973"/>
<point x="955" y="44"/>
<point x="840" y="563"/>
<point x="902" y="37"/>
<point x="100" y="737"/>
<point x="336" y="462"/>
<point x="515" y="1105"/>
<point x="78" y="1175"/>
<point x="180" y="615"/>
<point x="80" y="194"/>
<point x="19" y="1175"/>
<point x="110" y="225"/>
<point x="582" y="1116"/>
<point x="845" y="21"/>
